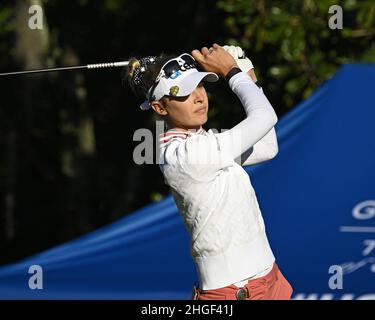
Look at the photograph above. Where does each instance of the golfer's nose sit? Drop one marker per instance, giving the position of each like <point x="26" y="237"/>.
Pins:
<point x="198" y="94"/>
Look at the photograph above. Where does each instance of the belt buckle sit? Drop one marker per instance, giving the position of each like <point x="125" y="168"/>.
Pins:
<point x="241" y="294"/>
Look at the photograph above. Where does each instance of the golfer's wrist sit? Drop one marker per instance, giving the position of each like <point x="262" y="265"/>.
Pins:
<point x="233" y="71"/>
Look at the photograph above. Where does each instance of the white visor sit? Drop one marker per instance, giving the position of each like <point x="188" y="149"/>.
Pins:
<point x="181" y="84"/>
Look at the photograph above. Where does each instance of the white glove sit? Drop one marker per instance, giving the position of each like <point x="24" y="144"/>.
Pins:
<point x="239" y="55"/>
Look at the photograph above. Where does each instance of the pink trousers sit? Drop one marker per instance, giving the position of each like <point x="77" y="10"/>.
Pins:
<point x="272" y="286"/>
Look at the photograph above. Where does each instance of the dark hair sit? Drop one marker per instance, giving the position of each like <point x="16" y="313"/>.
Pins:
<point x="146" y="78"/>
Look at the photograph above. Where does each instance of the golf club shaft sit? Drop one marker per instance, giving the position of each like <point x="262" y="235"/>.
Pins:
<point x="89" y="66"/>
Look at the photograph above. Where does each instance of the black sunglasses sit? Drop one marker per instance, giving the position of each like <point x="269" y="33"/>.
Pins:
<point x="172" y="69"/>
<point x="173" y="66"/>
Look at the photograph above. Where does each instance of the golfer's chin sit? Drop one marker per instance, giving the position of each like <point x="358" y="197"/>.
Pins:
<point x="202" y="119"/>
<point x="197" y="120"/>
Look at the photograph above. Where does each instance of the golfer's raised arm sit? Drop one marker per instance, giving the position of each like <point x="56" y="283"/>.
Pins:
<point x="265" y="149"/>
<point x="260" y="116"/>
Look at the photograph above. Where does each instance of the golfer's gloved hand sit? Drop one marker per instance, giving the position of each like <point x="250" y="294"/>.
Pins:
<point x="239" y="55"/>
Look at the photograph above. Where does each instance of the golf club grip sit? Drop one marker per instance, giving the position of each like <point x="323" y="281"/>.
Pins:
<point x="107" y="65"/>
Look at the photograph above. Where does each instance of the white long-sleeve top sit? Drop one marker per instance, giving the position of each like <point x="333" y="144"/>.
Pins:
<point x="214" y="194"/>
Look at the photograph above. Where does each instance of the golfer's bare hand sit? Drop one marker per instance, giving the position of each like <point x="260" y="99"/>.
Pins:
<point x="215" y="59"/>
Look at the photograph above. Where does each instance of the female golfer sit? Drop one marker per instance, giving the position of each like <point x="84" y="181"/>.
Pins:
<point x="204" y="169"/>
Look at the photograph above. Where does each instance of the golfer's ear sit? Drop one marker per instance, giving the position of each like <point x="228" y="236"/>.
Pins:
<point x="159" y="108"/>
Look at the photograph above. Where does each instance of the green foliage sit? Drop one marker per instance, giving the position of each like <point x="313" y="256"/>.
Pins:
<point x="292" y="45"/>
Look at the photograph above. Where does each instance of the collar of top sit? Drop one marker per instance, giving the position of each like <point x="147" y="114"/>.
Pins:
<point x="172" y="134"/>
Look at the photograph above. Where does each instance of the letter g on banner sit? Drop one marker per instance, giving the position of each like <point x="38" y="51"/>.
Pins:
<point x="364" y="210"/>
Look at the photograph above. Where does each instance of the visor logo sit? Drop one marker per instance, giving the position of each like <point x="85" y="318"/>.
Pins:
<point x="175" y="75"/>
<point x="186" y="66"/>
<point x="173" y="91"/>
